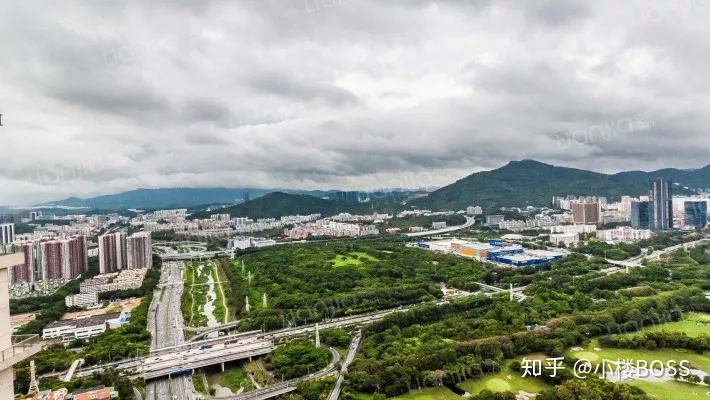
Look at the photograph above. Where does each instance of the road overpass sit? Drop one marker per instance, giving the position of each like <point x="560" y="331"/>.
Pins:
<point x="278" y="389"/>
<point x="199" y="255"/>
<point x="469" y="223"/>
<point x="164" y="365"/>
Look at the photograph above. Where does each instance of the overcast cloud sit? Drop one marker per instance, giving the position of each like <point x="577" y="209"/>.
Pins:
<point x="104" y="96"/>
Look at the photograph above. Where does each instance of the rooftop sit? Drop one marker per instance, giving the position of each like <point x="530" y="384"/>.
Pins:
<point x="84" y="322"/>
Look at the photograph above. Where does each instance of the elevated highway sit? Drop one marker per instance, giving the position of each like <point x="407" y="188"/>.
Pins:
<point x="469" y="223"/>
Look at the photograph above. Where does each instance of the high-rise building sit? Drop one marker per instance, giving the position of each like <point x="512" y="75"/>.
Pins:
<point x="7" y="233"/>
<point x="586" y="213"/>
<point x="117" y="252"/>
<point x="139" y="251"/>
<point x="112" y="252"/>
<point x="641" y="215"/>
<point x="661" y="198"/>
<point x="51" y="259"/>
<point x="15" y="349"/>
<point x="696" y="213"/>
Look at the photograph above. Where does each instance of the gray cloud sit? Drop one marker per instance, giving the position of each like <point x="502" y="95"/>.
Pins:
<point x="100" y="97"/>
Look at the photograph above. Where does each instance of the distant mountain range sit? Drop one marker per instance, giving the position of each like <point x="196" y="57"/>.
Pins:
<point x="150" y="199"/>
<point x="517" y="184"/>
<point x="529" y="182"/>
<point x="276" y="204"/>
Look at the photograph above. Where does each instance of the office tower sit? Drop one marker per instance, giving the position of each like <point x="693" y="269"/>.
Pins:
<point x="7" y="233"/>
<point x="661" y="199"/>
<point x="15" y="349"/>
<point x="586" y="213"/>
<point x="696" y="213"/>
<point x="640" y="214"/>
<point x="139" y="251"/>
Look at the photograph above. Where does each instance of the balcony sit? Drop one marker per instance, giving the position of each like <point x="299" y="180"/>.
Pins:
<point x="9" y="249"/>
<point x="23" y="347"/>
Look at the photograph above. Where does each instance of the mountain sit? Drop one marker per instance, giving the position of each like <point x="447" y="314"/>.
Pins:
<point x="692" y="178"/>
<point x="529" y="182"/>
<point x="147" y="199"/>
<point x="161" y="198"/>
<point x="276" y="204"/>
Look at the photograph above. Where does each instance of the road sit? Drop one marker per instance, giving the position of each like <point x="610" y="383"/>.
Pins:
<point x="469" y="222"/>
<point x="352" y="351"/>
<point x="287" y="386"/>
<point x="165" y="322"/>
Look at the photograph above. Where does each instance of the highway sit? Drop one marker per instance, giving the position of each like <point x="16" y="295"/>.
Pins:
<point x="352" y="351"/>
<point x="287" y="386"/>
<point x="469" y="222"/>
<point x="165" y="322"/>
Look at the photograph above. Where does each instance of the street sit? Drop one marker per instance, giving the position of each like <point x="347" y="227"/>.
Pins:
<point x="165" y="323"/>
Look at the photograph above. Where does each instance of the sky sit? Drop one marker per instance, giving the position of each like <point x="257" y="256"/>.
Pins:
<point x="105" y="96"/>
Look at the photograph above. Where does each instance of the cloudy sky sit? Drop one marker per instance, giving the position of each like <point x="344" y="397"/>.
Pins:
<point x="102" y="96"/>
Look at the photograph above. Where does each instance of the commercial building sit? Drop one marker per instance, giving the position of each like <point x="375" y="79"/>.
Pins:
<point x="586" y="213"/>
<point x="7" y="233"/>
<point x="83" y="300"/>
<point x="14" y="349"/>
<point x="80" y="328"/>
<point x="640" y="214"/>
<point x="139" y="251"/>
<point x="696" y="214"/>
<point x="661" y="199"/>
<point x="494" y="220"/>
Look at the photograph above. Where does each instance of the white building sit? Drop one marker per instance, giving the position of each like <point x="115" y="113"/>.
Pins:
<point x="566" y="238"/>
<point x="240" y="243"/>
<point x="369" y="230"/>
<point x="85" y="327"/>
<point x="438" y="225"/>
<point x="624" y="234"/>
<point x="578" y="228"/>
<point x="263" y="242"/>
<point x="474" y="210"/>
<point x="83" y="300"/>
<point x="7" y="233"/>
<point x="14" y="349"/>
<point x="494" y="220"/>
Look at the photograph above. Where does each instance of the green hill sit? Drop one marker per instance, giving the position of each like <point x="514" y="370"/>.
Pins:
<point x="532" y="183"/>
<point x="278" y="204"/>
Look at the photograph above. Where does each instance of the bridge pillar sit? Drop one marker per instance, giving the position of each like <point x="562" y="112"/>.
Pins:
<point x="223" y="366"/>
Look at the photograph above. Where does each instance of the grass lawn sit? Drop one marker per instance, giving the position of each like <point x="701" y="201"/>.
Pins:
<point x="233" y="378"/>
<point x="429" y="394"/>
<point x="501" y="383"/>
<point x="693" y="324"/>
<point x="699" y="361"/>
<point x="352" y="258"/>
<point x="672" y="390"/>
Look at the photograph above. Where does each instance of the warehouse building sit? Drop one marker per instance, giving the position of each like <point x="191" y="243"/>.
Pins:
<point x="79" y="328"/>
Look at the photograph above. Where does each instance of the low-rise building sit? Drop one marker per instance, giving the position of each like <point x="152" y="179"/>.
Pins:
<point x="567" y="239"/>
<point x="624" y="234"/>
<point x="79" y="328"/>
<point x="438" y="225"/>
<point x="577" y="228"/>
<point x="83" y="300"/>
